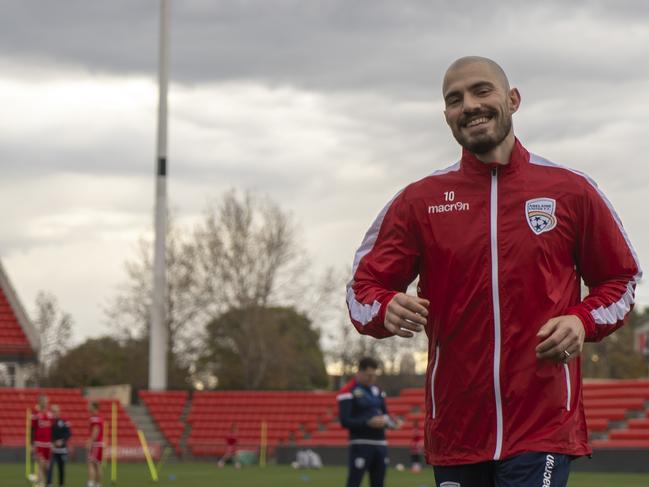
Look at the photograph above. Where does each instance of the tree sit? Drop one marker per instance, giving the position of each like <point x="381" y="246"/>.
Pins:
<point x="54" y="328"/>
<point x="264" y="348"/>
<point x="244" y="254"/>
<point x="248" y="255"/>
<point x="614" y="357"/>
<point x="107" y="361"/>
<point x="129" y="312"/>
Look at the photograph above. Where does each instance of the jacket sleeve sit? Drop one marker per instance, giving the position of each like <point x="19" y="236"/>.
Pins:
<point x="345" y="412"/>
<point x="385" y="264"/>
<point x="608" y="264"/>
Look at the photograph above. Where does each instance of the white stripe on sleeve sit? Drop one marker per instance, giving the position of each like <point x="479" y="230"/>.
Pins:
<point x="364" y="313"/>
<point x="615" y="312"/>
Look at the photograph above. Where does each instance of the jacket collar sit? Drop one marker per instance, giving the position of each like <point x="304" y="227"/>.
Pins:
<point x="518" y="157"/>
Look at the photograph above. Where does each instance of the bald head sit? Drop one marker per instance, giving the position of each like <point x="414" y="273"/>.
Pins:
<point x="479" y="105"/>
<point x="492" y="66"/>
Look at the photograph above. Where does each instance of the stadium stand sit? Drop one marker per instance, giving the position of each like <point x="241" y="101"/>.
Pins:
<point x="18" y="339"/>
<point x="74" y="409"/>
<point x="289" y="417"/>
<point x="166" y="409"/>
<point x="624" y="405"/>
<point x="617" y="413"/>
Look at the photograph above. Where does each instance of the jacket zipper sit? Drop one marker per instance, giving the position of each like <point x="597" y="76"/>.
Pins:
<point x="568" y="386"/>
<point x="496" y="307"/>
<point x="432" y="380"/>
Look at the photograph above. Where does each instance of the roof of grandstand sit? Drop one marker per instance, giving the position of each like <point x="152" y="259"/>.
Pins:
<point x="19" y="340"/>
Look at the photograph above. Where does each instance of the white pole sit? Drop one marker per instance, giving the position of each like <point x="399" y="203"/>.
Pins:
<point x="159" y="331"/>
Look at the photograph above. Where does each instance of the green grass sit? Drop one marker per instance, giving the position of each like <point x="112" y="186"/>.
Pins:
<point x="205" y="474"/>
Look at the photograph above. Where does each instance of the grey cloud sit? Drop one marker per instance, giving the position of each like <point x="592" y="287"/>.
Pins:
<point x="397" y="47"/>
<point x="123" y="156"/>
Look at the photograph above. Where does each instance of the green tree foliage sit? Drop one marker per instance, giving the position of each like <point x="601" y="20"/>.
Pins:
<point x="264" y="348"/>
<point x="107" y="361"/>
<point x="615" y="357"/>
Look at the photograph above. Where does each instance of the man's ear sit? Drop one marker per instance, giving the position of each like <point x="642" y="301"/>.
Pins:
<point x="514" y="100"/>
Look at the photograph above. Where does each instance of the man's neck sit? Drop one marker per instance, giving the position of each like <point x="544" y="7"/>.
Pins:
<point x="501" y="153"/>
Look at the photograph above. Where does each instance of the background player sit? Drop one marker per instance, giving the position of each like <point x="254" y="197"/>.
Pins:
<point x="60" y="435"/>
<point x="42" y="421"/>
<point x="416" y="448"/>
<point x="95" y="446"/>
<point x="362" y="410"/>
<point x="231" y="442"/>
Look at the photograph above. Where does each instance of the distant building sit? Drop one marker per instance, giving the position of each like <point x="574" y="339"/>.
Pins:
<point x="19" y="341"/>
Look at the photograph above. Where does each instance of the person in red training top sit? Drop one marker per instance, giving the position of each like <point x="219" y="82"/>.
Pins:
<point x="42" y="421"/>
<point x="500" y="242"/>
<point x="95" y="446"/>
<point x="231" y="442"/>
<point x="416" y="448"/>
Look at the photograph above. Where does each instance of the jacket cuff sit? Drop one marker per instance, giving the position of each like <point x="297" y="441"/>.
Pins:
<point x="384" y="305"/>
<point x="584" y="315"/>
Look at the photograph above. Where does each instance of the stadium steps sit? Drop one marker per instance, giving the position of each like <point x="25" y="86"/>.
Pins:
<point x="140" y="416"/>
<point x="166" y="409"/>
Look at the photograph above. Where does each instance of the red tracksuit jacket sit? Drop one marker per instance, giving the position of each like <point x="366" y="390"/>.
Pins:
<point x="499" y="250"/>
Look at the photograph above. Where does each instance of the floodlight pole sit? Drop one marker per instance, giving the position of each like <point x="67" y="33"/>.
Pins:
<point x="158" y="331"/>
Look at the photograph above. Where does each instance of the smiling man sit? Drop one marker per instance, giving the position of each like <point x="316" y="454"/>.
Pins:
<point x="500" y="242"/>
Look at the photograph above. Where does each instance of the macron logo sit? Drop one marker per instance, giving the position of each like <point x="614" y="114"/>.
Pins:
<point x="459" y="206"/>
<point x="547" y="473"/>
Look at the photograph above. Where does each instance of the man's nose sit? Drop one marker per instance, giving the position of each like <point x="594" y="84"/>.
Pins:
<point x="470" y="104"/>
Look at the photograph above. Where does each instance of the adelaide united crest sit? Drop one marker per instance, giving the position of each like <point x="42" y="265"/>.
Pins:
<point x="540" y="214"/>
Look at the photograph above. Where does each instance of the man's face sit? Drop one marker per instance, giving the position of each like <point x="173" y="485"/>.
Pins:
<point x="479" y="106"/>
<point x="56" y="411"/>
<point x="367" y="377"/>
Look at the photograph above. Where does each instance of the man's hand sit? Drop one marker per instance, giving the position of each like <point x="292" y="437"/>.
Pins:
<point x="378" y="422"/>
<point x="406" y="314"/>
<point x="558" y="336"/>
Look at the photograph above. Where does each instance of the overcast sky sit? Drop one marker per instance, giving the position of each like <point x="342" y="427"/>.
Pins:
<point x="327" y="106"/>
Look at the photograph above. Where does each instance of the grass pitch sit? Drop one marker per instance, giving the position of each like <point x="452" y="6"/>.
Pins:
<point x="207" y="474"/>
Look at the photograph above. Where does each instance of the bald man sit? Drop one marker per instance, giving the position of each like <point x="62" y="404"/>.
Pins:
<point x="500" y="242"/>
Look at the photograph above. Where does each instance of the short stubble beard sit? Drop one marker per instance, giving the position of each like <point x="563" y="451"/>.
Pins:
<point x="484" y="144"/>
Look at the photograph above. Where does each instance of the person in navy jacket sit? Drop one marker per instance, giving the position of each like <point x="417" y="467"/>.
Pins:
<point x="362" y="410"/>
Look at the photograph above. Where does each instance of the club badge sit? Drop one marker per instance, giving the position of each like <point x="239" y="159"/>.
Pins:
<point x="540" y="214"/>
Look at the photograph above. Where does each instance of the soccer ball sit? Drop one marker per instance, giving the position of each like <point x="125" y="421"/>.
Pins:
<point x="400" y="467"/>
<point x="32" y="477"/>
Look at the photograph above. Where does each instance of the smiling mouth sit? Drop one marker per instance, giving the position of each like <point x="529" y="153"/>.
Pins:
<point x="475" y="122"/>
